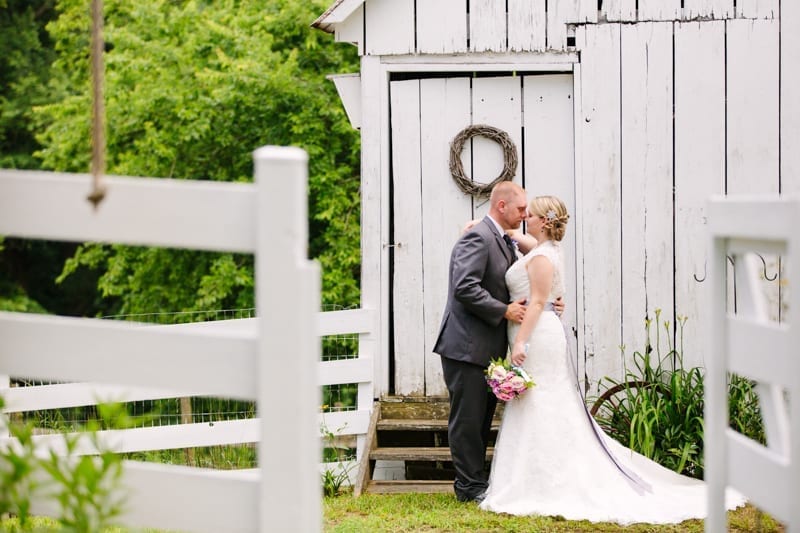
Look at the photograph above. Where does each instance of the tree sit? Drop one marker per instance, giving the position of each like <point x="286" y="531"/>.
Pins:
<point x="192" y="87"/>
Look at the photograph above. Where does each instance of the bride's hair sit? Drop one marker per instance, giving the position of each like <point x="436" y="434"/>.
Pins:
<point x="554" y="212"/>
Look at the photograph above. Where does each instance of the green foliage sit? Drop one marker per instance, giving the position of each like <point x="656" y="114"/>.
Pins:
<point x="657" y="409"/>
<point x="192" y="87"/>
<point x="335" y="477"/>
<point x="25" y="57"/>
<point x="86" y="487"/>
<point x="17" y="467"/>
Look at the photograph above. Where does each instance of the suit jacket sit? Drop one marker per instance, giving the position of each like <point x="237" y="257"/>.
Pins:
<point x="473" y="327"/>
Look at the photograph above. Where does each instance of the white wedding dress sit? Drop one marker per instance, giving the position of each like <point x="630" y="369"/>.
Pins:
<point x="549" y="459"/>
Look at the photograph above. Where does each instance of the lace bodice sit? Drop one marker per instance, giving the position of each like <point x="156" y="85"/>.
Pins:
<point x="517" y="275"/>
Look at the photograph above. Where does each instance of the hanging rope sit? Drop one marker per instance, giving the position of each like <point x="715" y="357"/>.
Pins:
<point x="98" y="107"/>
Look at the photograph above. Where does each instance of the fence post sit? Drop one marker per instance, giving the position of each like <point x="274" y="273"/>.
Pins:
<point x="287" y="300"/>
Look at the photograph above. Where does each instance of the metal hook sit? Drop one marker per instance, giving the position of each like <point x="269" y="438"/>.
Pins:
<point x="705" y="274"/>
<point x="763" y="262"/>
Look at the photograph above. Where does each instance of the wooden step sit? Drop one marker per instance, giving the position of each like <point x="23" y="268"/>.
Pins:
<point x="435" y="453"/>
<point x="419" y="424"/>
<point x="405" y="486"/>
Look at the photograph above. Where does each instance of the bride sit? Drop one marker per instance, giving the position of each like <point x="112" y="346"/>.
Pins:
<point x="550" y="457"/>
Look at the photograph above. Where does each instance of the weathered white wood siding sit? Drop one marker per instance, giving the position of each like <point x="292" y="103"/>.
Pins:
<point x="549" y="132"/>
<point x="646" y="188"/>
<point x="399" y="27"/>
<point x="699" y="167"/>
<point x="675" y="100"/>
<point x="430" y="210"/>
<point x="407" y="309"/>
<point x="600" y="132"/>
<point x="445" y="108"/>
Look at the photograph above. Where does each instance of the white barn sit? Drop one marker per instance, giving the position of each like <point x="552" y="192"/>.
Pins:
<point x="633" y="111"/>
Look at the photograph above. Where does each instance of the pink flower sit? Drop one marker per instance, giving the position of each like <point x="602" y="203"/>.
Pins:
<point x="499" y="373"/>
<point x="518" y="384"/>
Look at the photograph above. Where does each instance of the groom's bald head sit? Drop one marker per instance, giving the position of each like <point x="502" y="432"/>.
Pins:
<point x="505" y="191"/>
<point x="508" y="205"/>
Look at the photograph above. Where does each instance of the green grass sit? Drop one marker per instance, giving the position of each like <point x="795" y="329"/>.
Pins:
<point x="407" y="513"/>
<point x="401" y="513"/>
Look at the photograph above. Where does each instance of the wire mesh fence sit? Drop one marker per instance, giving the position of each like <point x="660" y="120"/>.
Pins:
<point x="162" y="412"/>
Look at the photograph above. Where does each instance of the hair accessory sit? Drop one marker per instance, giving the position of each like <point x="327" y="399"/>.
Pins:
<point x="550" y="215"/>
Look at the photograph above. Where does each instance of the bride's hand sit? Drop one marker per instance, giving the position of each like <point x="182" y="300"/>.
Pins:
<point x="518" y="354"/>
<point x="469" y="225"/>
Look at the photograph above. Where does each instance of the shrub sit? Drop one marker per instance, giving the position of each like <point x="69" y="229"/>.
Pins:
<point x="657" y="409"/>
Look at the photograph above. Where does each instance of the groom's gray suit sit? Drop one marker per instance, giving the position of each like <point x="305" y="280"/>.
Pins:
<point x="473" y="332"/>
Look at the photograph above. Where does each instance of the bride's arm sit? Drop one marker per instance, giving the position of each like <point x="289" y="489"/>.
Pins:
<point x="525" y="242"/>
<point x="540" y="273"/>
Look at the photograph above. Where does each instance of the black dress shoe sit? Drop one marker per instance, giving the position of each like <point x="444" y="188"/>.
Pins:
<point x="478" y="498"/>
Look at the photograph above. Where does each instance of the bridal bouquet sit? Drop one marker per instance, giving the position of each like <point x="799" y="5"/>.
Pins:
<point x="507" y="381"/>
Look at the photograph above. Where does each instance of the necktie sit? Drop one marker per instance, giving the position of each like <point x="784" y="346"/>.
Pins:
<point x="510" y="245"/>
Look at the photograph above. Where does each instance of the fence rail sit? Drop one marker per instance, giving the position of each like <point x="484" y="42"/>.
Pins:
<point x="272" y="359"/>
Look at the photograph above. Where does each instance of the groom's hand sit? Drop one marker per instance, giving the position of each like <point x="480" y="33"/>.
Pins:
<point x="516" y="311"/>
<point x="558" y="306"/>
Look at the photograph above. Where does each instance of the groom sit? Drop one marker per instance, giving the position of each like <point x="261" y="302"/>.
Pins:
<point x="473" y="332"/>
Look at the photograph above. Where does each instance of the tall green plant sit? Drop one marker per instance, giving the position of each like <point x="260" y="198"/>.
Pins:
<point x="657" y="408"/>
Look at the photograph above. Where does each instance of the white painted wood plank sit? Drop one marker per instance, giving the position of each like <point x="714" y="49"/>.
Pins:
<point x="345" y="371"/>
<point x="349" y="88"/>
<point x="549" y="155"/>
<point x="56" y="348"/>
<point x="753" y="93"/>
<point x="496" y="102"/>
<point x="761" y="474"/>
<point x="407" y="287"/>
<point x="171" y="437"/>
<point x="755" y="220"/>
<point x="374" y="270"/>
<point x="699" y="170"/>
<point x="226" y="500"/>
<point x="346" y="321"/>
<point x="558" y="15"/>
<point x="441" y="27"/>
<point x="619" y="10"/>
<point x="707" y="9"/>
<point x="647" y="229"/>
<point x="762" y="9"/>
<point x="200" y="215"/>
<point x="445" y="111"/>
<point x="775" y="363"/>
<point x="577" y="224"/>
<point x="487" y="26"/>
<point x="351" y="30"/>
<point x="286" y="342"/>
<point x="389" y="27"/>
<point x="790" y="104"/>
<point x="600" y="192"/>
<point x="659" y="10"/>
<point x="585" y="11"/>
<point x="211" y="501"/>
<point x="527" y="25"/>
<point x="40" y="397"/>
<point x="753" y="115"/>
<point x="347" y="422"/>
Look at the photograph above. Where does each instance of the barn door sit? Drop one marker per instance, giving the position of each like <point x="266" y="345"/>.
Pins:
<point x="428" y="208"/>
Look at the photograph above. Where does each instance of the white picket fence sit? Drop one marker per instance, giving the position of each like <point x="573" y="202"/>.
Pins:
<point x="748" y="344"/>
<point x="272" y="359"/>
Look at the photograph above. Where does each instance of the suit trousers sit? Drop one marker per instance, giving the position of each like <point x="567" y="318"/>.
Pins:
<point x="472" y="408"/>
